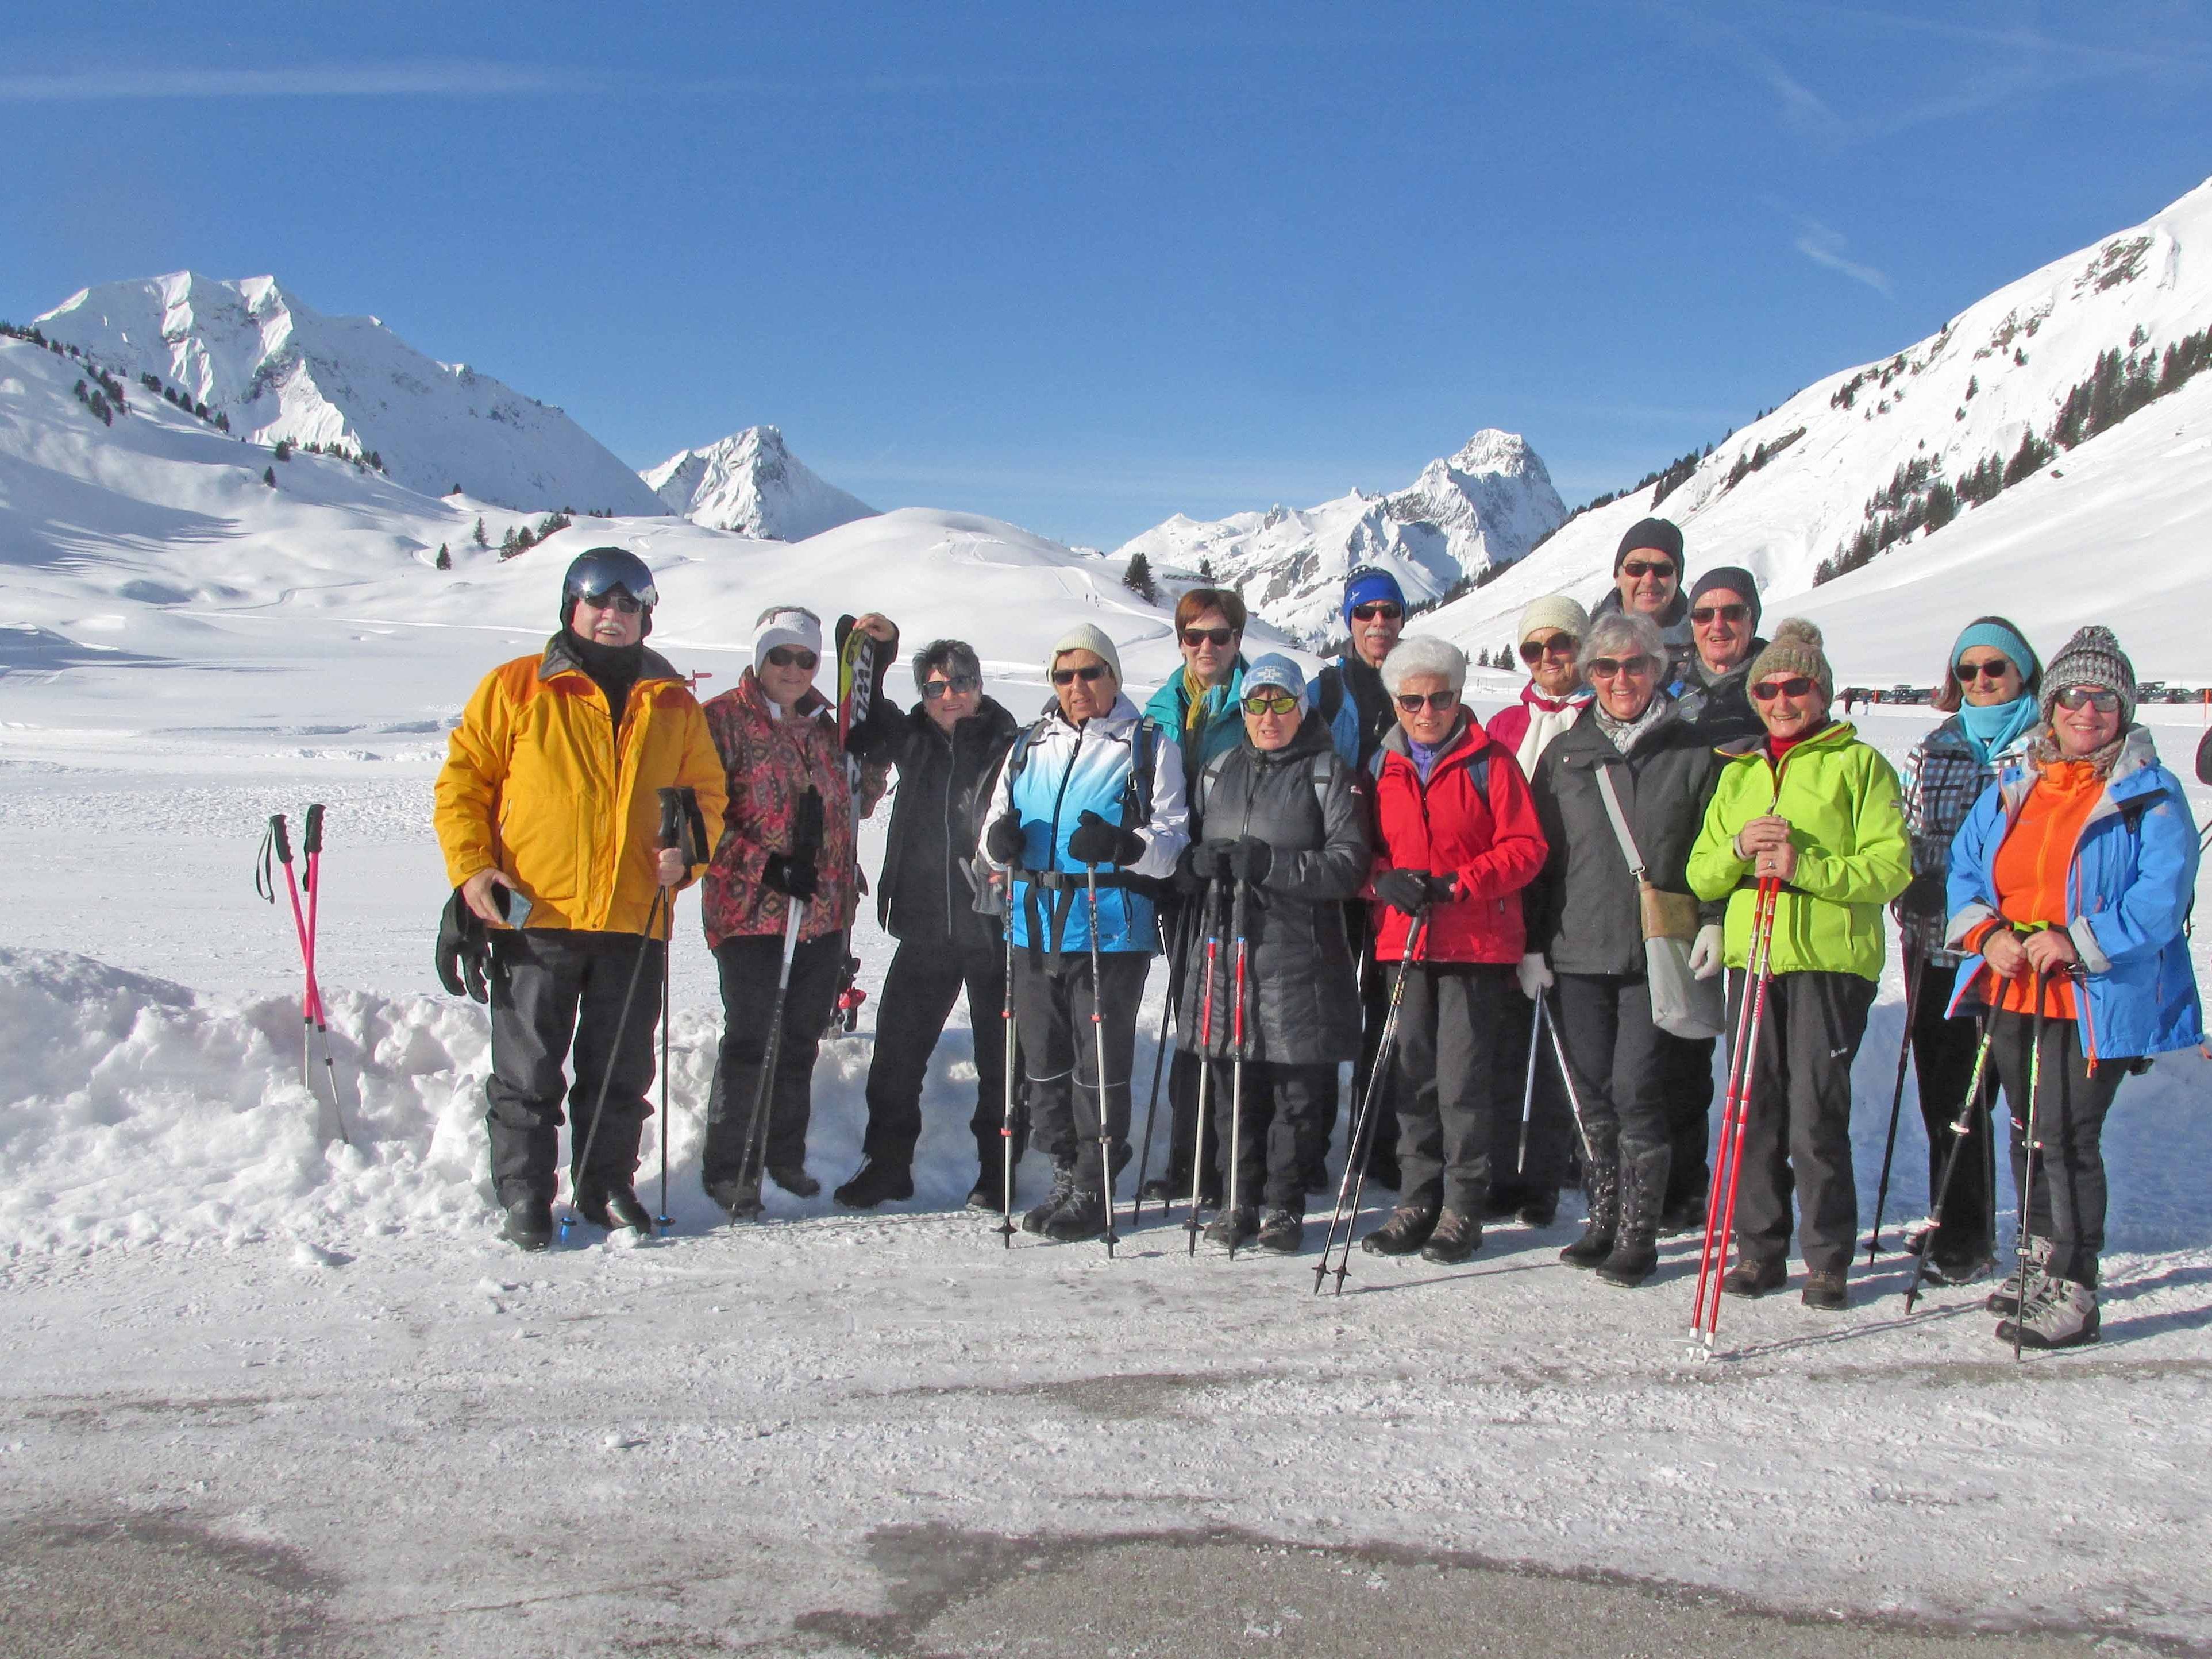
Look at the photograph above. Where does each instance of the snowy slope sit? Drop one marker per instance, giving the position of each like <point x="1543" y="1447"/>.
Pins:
<point x="1485" y="505"/>
<point x="750" y="483"/>
<point x="280" y="370"/>
<point x="1998" y="370"/>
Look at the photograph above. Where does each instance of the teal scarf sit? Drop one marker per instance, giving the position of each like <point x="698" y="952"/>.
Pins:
<point x="1991" y="728"/>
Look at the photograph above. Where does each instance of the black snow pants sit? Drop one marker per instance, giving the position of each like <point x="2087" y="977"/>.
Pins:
<point x="1551" y="1128"/>
<point x="1059" y="1050"/>
<point x="1944" y="1063"/>
<point x="1686" y="1063"/>
<point x="1275" y="1142"/>
<point x="1606" y="1020"/>
<point x="749" y="965"/>
<point x="1446" y="1073"/>
<point x="926" y="979"/>
<point x="552" y="989"/>
<point x="1374" y="982"/>
<point x="2067" y="1202"/>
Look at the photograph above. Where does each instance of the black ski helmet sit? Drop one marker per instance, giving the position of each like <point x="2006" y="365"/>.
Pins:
<point x="599" y="571"/>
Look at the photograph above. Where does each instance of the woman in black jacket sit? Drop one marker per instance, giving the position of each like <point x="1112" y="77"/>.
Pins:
<point x="1279" y="835"/>
<point x="1585" y="927"/>
<point x="947" y="751"/>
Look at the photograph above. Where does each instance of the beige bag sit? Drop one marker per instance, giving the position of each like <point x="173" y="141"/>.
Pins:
<point x="1682" y="1004"/>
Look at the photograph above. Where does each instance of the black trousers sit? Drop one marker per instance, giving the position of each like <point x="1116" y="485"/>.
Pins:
<point x="1944" y="1063"/>
<point x="926" y="979"/>
<point x="2066" y="1204"/>
<point x="1605" y="1021"/>
<point x="1798" y="1134"/>
<point x="1275" y="1142"/>
<point x="1551" y="1129"/>
<point x="1685" y="1070"/>
<point x="1059" y="1050"/>
<point x="1184" y="1129"/>
<point x="553" y="989"/>
<point x="749" y="967"/>
<point x="1446" y="1067"/>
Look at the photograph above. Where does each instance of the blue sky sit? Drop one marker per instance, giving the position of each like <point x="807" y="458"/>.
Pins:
<point x="1083" y="266"/>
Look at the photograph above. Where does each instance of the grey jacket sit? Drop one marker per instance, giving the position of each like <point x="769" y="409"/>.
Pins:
<point x="1307" y="805"/>
<point x="1584" y="912"/>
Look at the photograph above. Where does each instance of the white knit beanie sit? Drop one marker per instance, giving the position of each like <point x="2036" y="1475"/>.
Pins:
<point x="1084" y="636"/>
<point x="786" y="624"/>
<point x="1553" y="610"/>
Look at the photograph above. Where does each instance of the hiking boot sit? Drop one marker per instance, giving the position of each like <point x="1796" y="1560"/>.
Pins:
<point x="2004" y="1301"/>
<point x="1232" y="1227"/>
<point x="793" y="1179"/>
<point x="1602" y="1184"/>
<point x="1828" y="1292"/>
<point x="2061" y="1313"/>
<point x="1063" y="1189"/>
<point x="1541" y="1209"/>
<point x="528" y="1224"/>
<point x="1960" y="1267"/>
<point x="615" y="1208"/>
<point x="989" y="1192"/>
<point x="1405" y="1232"/>
<point x="1083" y="1215"/>
<point x="739" y="1199"/>
<point x="1753" y="1276"/>
<point x="1505" y="1199"/>
<point x="1635" y="1252"/>
<point x="1282" y="1231"/>
<point x="877" y="1182"/>
<point x="1314" y="1184"/>
<point x="1383" y="1171"/>
<point x="1454" y="1238"/>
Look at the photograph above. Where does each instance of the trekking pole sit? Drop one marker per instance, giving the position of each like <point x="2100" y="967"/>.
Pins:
<point x="2025" y="1195"/>
<point x="276" y="847"/>
<point x="583" y="1161"/>
<point x="1728" y="1161"/>
<point x="1205" y="1059"/>
<point x="1528" y="1085"/>
<point x="1006" y="1228"/>
<point x="311" y="848"/>
<point x="1236" y="1041"/>
<point x="1959" y="1133"/>
<point x="1353" y="1183"/>
<point x="1574" y="1095"/>
<point x="807" y="833"/>
<point x="1098" y="1038"/>
<point x="1916" y="964"/>
<point x="1180" y="948"/>
<point x="674" y="832"/>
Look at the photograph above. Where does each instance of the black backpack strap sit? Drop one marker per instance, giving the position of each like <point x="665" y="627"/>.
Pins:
<point x="1328" y="695"/>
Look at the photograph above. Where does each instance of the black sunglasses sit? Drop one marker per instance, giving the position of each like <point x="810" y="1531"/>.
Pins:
<point x="933" y="690"/>
<point x="1411" y="702"/>
<point x="790" y="656"/>
<point x="1087" y="674"/>
<point x="1643" y="567"/>
<point x="1382" y="608"/>
<point x="1559" y="645"/>
<point x="1968" y="673"/>
<point x="1194" y="637"/>
<point x="1704" y="613"/>
<point x="2089" y="696"/>
<point x="615" y="599"/>
<point x="1606" y="667"/>
<point x="1795" y="686"/>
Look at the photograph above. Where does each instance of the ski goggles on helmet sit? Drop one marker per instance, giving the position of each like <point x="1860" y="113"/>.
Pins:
<point x="603" y="570"/>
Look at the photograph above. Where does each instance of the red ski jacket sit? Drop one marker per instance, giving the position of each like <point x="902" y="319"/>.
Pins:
<point x="1483" y="831"/>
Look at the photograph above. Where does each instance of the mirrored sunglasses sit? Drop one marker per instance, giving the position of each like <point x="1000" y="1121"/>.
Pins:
<point x="2090" y="696"/>
<point x="614" y="598"/>
<point x="1270" y="702"/>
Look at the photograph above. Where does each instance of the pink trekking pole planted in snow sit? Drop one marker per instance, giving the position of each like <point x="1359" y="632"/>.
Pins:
<point x="276" y="847"/>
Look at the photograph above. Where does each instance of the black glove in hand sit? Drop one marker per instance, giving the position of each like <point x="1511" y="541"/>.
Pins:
<point x="1403" y="890"/>
<point x="462" y="950"/>
<point x="1928" y="897"/>
<point x="1442" y="888"/>
<point x="1003" y="839"/>
<point x="1250" y="859"/>
<point x="1097" y="841"/>
<point x="1190" y="877"/>
<point x="799" y="881"/>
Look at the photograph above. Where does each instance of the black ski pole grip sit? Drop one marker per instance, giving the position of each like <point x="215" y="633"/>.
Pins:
<point x="282" y="837"/>
<point x="311" y="838"/>
<point x="671" y="818"/>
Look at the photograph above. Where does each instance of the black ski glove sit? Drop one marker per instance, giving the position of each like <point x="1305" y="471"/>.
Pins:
<point x="464" y="948"/>
<point x="794" y="880"/>
<point x="1403" y="890"/>
<point x="1250" y="859"/>
<point x="1927" y="897"/>
<point x="1442" y="888"/>
<point x="1190" y="875"/>
<point x="1003" y="839"/>
<point x="1097" y="841"/>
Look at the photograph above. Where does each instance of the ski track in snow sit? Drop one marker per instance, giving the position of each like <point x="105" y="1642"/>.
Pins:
<point x="219" y="1314"/>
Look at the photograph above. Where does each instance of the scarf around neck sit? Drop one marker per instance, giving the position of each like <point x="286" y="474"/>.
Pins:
<point x="1992" y="728"/>
<point x="1626" y="734"/>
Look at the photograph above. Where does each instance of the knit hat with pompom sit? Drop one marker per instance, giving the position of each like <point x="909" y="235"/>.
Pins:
<point x="2091" y="656"/>
<point x="1796" y="650"/>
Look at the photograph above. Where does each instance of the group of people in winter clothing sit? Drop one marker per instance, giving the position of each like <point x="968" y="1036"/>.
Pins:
<point x="1537" y="911"/>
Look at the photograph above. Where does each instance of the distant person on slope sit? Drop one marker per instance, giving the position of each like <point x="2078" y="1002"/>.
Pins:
<point x="1553" y="629"/>
<point x="1647" y="581"/>
<point x="789" y="840"/>
<point x="947" y="750"/>
<point x="1815" y="808"/>
<point x="1348" y="698"/>
<point x="549" y="795"/>
<point x="1988" y="688"/>
<point x="2075" y="872"/>
<point x="1089" y="788"/>
<point x="1198" y="710"/>
<point x="1711" y="695"/>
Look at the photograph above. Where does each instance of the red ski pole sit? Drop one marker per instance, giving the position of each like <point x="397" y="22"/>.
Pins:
<point x="1720" y="1199"/>
<point x="311" y="844"/>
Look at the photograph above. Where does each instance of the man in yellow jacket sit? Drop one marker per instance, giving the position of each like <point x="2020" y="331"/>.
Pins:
<point x="548" y="814"/>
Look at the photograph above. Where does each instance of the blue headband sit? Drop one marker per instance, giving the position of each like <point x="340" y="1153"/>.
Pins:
<point x="1999" y="638"/>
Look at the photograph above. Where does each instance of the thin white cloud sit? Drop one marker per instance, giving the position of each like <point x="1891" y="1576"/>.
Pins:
<point x="422" y="79"/>
<point x="1824" y="246"/>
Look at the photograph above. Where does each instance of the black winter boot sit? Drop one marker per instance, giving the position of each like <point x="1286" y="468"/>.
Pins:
<point x="793" y="1179"/>
<point x="1541" y="1209"/>
<point x="1063" y="1189"/>
<point x="1282" y="1231"/>
<point x="739" y="1199"/>
<point x="1636" y="1243"/>
<point x="1601" y="1186"/>
<point x="1232" y="1227"/>
<point x="528" y="1224"/>
<point x="877" y="1182"/>
<point x="615" y="1208"/>
<point x="1083" y="1215"/>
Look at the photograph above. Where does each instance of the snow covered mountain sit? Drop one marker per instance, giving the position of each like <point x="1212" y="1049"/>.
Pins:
<point x="1972" y="450"/>
<point x="1483" y="507"/>
<point x="278" y="370"/>
<point x="750" y="483"/>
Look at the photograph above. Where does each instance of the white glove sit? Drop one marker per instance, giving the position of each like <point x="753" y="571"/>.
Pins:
<point x="1534" y="974"/>
<point x="1707" y="954"/>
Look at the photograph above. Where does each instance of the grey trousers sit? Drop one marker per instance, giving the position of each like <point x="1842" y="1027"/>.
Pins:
<point x="1446" y="1075"/>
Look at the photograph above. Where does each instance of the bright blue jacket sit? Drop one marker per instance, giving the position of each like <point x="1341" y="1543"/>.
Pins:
<point x="1066" y="770"/>
<point x="2129" y="892"/>
<point x="1222" y="728"/>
